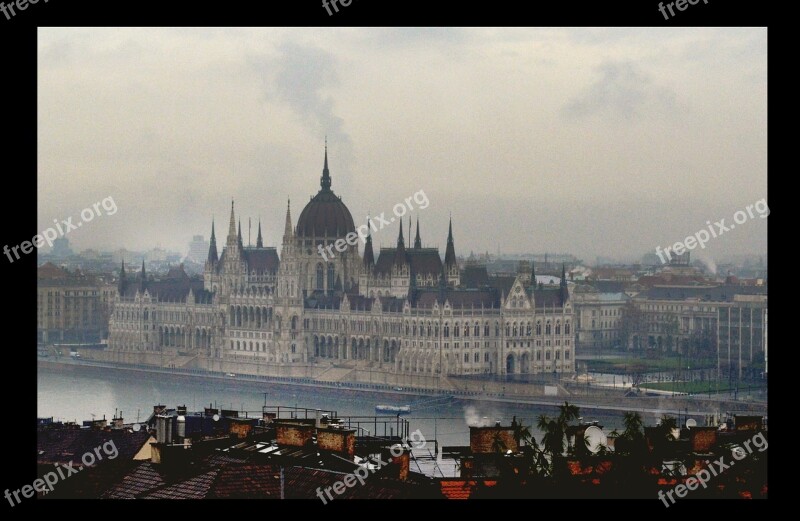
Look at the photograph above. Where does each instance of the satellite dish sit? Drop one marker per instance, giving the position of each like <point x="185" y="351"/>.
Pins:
<point x="136" y="427"/>
<point x="595" y="438"/>
<point x="215" y="417"/>
<point x="691" y="423"/>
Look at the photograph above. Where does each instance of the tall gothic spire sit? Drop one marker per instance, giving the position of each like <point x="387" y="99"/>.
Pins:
<point x="259" y="240"/>
<point x="400" y="253"/>
<point x="212" y="249"/>
<point x="143" y="282"/>
<point x="287" y="229"/>
<point x="417" y="240"/>
<point x="325" y="181"/>
<point x="369" y="256"/>
<point x="450" y="252"/>
<point x="400" y="241"/>
<point x="123" y="283"/>
<point x="232" y="227"/>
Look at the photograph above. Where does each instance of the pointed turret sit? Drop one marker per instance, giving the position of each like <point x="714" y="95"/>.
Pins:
<point x="212" y="249"/>
<point x="563" y="285"/>
<point x="417" y="240"/>
<point x="123" y="282"/>
<point x="232" y="228"/>
<point x="400" y="253"/>
<point x="287" y="229"/>
<point x="259" y="240"/>
<point x="533" y="273"/>
<point x="143" y="282"/>
<point x="369" y="256"/>
<point x="450" y="253"/>
<point x="325" y="180"/>
<point x="239" y="236"/>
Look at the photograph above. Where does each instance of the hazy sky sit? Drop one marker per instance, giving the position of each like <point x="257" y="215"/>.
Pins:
<point x="590" y="141"/>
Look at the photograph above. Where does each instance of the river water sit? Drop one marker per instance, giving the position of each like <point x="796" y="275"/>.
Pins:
<point x="75" y="396"/>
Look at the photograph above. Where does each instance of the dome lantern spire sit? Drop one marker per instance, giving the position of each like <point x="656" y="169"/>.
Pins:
<point x="325" y="182"/>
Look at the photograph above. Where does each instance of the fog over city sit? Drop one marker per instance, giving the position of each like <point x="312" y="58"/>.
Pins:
<point x="597" y="142"/>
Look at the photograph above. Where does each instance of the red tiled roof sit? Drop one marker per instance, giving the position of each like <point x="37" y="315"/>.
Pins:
<point x="247" y="482"/>
<point x="462" y="488"/>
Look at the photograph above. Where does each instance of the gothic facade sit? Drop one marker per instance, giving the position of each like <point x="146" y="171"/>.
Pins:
<point x="408" y="311"/>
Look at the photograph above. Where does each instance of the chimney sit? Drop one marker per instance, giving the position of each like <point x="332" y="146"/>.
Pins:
<point x="163" y="428"/>
<point x="342" y="441"/>
<point x="294" y="434"/>
<point x="404" y="462"/>
<point x="117" y="422"/>
<point x="482" y="439"/>
<point x="181" y="421"/>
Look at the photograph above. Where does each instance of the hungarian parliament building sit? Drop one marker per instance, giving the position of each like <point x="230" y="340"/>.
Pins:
<point x="404" y="310"/>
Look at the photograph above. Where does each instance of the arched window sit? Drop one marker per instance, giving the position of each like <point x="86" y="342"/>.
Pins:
<point x="566" y="331"/>
<point x="547" y="329"/>
<point x="455" y="329"/>
<point x="320" y="277"/>
<point x="331" y="276"/>
<point x="466" y="329"/>
<point x="558" y="328"/>
<point x="486" y="329"/>
<point x="446" y="330"/>
<point x="477" y="329"/>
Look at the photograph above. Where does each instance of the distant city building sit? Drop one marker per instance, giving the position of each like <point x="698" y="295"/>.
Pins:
<point x="405" y="313"/>
<point x="61" y="248"/>
<point x="598" y="317"/>
<point x="72" y="306"/>
<point x="198" y="249"/>
<point x="726" y="321"/>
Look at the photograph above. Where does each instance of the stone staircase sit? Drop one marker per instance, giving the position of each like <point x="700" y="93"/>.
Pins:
<point x="335" y="373"/>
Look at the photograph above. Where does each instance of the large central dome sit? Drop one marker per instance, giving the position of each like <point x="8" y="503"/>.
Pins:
<point x="325" y="215"/>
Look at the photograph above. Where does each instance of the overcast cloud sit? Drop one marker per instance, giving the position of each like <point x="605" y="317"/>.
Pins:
<point x="591" y="141"/>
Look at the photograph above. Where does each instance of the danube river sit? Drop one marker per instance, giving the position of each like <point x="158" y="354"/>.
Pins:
<point x="79" y="396"/>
